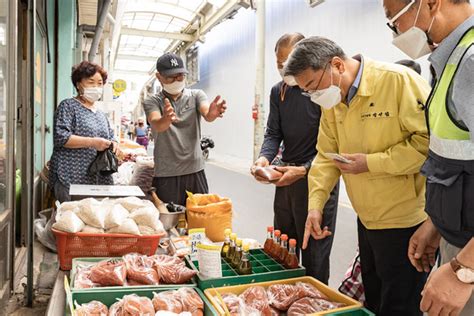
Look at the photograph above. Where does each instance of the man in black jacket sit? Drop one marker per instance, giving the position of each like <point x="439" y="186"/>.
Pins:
<point x="294" y="120"/>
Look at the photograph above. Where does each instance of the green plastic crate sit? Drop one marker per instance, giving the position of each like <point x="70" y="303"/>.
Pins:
<point x="264" y="268"/>
<point x="108" y="297"/>
<point x="76" y="261"/>
<point x="353" y="312"/>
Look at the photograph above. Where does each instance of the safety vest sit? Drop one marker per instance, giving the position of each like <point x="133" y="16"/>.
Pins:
<point x="448" y="138"/>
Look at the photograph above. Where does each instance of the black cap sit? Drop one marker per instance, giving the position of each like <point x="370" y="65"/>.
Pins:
<point x="170" y="64"/>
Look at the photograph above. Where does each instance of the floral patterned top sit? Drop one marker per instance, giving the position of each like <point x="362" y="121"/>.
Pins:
<point x="70" y="166"/>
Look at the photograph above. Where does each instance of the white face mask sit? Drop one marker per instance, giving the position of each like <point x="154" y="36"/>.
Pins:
<point x="175" y="87"/>
<point x="329" y="97"/>
<point x="92" y="94"/>
<point x="414" y="42"/>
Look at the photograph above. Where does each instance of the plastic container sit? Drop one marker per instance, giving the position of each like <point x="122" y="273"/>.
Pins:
<point x="78" y="245"/>
<point x="353" y="312"/>
<point x="78" y="261"/>
<point x="264" y="268"/>
<point x="108" y="297"/>
<point x="332" y="294"/>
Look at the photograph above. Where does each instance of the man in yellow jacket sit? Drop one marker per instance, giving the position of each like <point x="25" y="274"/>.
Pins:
<point x="373" y="116"/>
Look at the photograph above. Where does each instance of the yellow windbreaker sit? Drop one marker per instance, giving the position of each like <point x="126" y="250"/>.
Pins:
<point x="386" y="121"/>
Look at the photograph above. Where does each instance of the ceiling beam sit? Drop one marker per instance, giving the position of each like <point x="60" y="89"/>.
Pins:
<point x="136" y="57"/>
<point x="156" y="34"/>
<point x="130" y="72"/>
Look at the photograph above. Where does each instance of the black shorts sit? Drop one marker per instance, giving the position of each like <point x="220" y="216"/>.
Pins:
<point x="173" y="189"/>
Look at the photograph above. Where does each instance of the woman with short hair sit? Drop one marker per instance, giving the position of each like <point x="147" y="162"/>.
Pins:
<point x="80" y="131"/>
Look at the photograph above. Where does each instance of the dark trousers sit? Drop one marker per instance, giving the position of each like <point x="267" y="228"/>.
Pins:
<point x="173" y="189"/>
<point x="392" y="285"/>
<point x="291" y="210"/>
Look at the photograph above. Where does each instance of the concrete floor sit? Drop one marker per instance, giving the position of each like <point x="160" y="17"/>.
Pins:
<point x="253" y="209"/>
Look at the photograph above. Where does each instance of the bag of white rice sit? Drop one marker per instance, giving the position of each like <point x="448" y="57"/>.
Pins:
<point x="92" y="212"/>
<point x="92" y="230"/>
<point x="116" y="214"/>
<point x="147" y="216"/>
<point x="131" y="203"/>
<point x="69" y="222"/>
<point x="128" y="226"/>
<point x="147" y="230"/>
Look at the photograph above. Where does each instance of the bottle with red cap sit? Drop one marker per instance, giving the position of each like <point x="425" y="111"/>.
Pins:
<point x="276" y="244"/>
<point x="267" y="247"/>
<point x="283" y="249"/>
<point x="291" y="261"/>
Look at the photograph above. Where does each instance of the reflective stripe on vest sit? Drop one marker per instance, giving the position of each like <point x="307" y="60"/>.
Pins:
<point x="447" y="138"/>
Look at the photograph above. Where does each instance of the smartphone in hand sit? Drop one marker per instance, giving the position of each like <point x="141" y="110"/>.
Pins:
<point x="337" y="157"/>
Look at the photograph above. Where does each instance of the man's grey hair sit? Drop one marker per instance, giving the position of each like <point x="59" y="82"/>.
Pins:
<point x="314" y="52"/>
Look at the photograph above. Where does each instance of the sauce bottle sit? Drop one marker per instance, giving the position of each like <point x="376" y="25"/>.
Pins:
<point x="267" y="247"/>
<point x="245" y="266"/>
<point x="291" y="261"/>
<point x="226" y="245"/>
<point x="276" y="244"/>
<point x="230" y="253"/>
<point x="283" y="249"/>
<point x="237" y="255"/>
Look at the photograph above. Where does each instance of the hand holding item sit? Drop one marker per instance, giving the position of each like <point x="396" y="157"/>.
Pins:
<point x="357" y="163"/>
<point x="290" y="175"/>
<point x="100" y="144"/>
<point x="268" y="174"/>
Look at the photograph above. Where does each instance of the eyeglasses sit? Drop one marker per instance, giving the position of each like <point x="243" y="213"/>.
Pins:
<point x="390" y="23"/>
<point x="177" y="77"/>
<point x="308" y="94"/>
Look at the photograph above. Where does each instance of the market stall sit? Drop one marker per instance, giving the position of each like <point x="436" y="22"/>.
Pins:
<point x="205" y="270"/>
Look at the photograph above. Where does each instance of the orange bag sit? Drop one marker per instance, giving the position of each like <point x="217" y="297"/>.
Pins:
<point x="209" y="211"/>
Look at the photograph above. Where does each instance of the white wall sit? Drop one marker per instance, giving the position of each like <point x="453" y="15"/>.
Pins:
<point x="227" y="58"/>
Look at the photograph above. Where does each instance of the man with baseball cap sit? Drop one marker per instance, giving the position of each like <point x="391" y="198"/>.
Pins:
<point x="175" y="115"/>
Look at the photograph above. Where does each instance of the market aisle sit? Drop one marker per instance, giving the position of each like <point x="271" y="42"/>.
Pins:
<point x="253" y="205"/>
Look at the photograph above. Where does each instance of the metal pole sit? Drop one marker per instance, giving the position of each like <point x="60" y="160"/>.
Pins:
<point x="101" y="18"/>
<point x="260" y="79"/>
<point x="30" y="152"/>
<point x="11" y="127"/>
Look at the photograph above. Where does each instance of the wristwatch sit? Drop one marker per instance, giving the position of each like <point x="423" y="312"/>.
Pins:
<point x="307" y="165"/>
<point x="463" y="273"/>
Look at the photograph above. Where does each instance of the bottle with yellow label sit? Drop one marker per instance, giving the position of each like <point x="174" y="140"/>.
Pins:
<point x="237" y="254"/>
<point x="230" y="253"/>
<point x="226" y="245"/>
<point x="245" y="266"/>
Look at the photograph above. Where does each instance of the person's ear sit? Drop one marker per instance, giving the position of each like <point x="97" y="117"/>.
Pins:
<point x="158" y="76"/>
<point x="339" y="64"/>
<point x="434" y="6"/>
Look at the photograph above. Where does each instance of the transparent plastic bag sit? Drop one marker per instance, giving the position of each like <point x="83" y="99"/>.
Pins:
<point x="82" y="280"/>
<point x="134" y="305"/>
<point x="167" y="301"/>
<point x="131" y="203"/>
<point x="147" y="216"/>
<point x="256" y="298"/>
<point x="69" y="222"/>
<point x="128" y="226"/>
<point x="91" y="212"/>
<point x="93" y="308"/>
<point x="115" y="215"/>
<point x="43" y="229"/>
<point x="281" y="296"/>
<point x="309" y="305"/>
<point x="174" y="273"/>
<point x="92" y="230"/>
<point x="140" y="269"/>
<point x="109" y="273"/>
